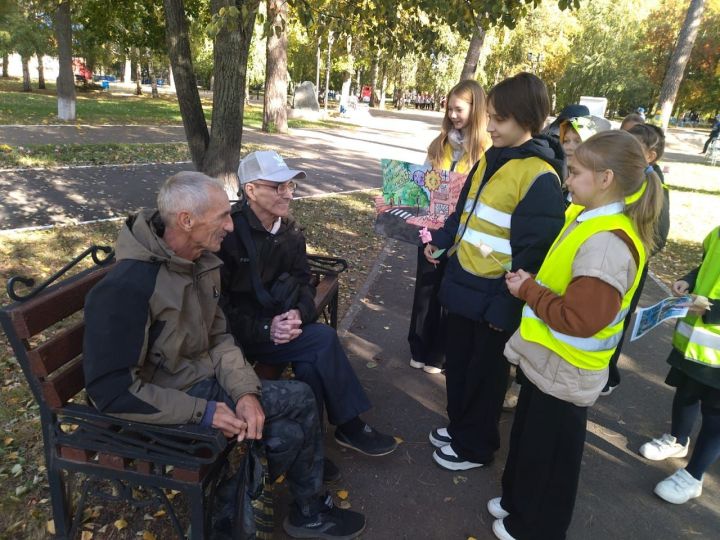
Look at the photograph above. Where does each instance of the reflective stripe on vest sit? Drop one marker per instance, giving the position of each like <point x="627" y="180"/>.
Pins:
<point x="490" y="220"/>
<point x="699" y="342"/>
<point x="590" y="353"/>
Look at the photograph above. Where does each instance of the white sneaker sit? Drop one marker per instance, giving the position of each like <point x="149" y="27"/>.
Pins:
<point x="496" y="510"/>
<point x="663" y="448"/>
<point x="417" y="365"/>
<point x="448" y="459"/>
<point x="440" y="437"/>
<point x="500" y="530"/>
<point x="679" y="488"/>
<point x="432" y="370"/>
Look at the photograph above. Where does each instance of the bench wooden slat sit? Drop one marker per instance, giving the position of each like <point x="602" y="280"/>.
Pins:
<point x="35" y="315"/>
<point x="57" y="351"/>
<point x="325" y="290"/>
<point x="61" y="388"/>
<point x="76" y="454"/>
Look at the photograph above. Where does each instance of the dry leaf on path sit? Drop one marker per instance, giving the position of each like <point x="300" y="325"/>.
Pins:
<point x="120" y="524"/>
<point x="344" y="505"/>
<point x="342" y="494"/>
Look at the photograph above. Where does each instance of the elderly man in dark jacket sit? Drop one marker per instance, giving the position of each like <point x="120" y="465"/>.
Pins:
<point x="269" y="302"/>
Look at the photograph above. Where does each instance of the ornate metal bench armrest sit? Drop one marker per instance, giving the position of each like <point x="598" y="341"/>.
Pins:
<point x="186" y="446"/>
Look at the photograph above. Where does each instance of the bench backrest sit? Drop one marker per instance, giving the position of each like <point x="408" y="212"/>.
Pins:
<point x="47" y="339"/>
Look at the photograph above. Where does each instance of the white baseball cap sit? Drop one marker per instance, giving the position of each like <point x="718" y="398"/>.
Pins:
<point x="266" y="165"/>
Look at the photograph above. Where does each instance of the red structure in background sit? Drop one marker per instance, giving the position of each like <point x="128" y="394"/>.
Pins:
<point x="81" y="71"/>
<point x="365" y="92"/>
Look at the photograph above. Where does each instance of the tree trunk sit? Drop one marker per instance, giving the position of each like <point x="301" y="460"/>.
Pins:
<point x="230" y="54"/>
<point x="171" y="78"/>
<point x="358" y="88"/>
<point x="41" y="72"/>
<point x="318" y="61"/>
<point x="178" y="44"/>
<point x="138" y="73"/>
<point x="66" y="78"/>
<point x="347" y="74"/>
<point x="26" y="73"/>
<point x="5" y="63"/>
<point x="153" y="77"/>
<point x="374" y="97"/>
<point x="328" y="66"/>
<point x="679" y="60"/>
<point x="275" y="100"/>
<point x="383" y="88"/>
<point x="473" y="54"/>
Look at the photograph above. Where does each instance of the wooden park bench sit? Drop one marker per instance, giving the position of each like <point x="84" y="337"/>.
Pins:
<point x="107" y="457"/>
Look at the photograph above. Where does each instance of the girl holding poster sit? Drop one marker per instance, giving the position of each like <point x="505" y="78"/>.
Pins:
<point x="461" y="142"/>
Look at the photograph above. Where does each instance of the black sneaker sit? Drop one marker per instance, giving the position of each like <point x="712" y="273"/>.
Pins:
<point x="325" y="521"/>
<point x="331" y="473"/>
<point x="367" y="441"/>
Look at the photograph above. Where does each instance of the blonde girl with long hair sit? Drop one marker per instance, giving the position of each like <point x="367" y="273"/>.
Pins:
<point x="571" y="324"/>
<point x="462" y="140"/>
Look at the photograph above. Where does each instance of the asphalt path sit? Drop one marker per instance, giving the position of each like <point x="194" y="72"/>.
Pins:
<point x="336" y="160"/>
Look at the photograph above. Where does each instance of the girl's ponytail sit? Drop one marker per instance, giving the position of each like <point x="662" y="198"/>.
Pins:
<point x="643" y="208"/>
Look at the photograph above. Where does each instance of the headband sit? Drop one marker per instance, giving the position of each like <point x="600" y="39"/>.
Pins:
<point x="635" y="197"/>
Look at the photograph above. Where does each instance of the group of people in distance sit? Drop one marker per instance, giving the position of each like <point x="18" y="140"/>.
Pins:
<point x="544" y="259"/>
<point x="541" y="267"/>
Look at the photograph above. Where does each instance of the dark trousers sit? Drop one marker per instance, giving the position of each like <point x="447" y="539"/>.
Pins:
<point x="614" y="372"/>
<point x="707" y="143"/>
<point x="292" y="437"/>
<point x="427" y="320"/>
<point x="319" y="361"/>
<point x="687" y="406"/>
<point x="541" y="474"/>
<point x="476" y="375"/>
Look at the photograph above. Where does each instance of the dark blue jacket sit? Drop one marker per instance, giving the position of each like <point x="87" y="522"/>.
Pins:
<point x="535" y="223"/>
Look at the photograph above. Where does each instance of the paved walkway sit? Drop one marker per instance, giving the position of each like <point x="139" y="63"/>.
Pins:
<point x="335" y="160"/>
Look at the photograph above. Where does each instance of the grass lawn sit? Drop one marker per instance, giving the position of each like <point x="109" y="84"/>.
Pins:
<point x="340" y="225"/>
<point x="694" y="203"/>
<point x="100" y="107"/>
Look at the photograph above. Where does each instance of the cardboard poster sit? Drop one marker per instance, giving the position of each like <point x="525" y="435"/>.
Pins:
<point x="414" y="196"/>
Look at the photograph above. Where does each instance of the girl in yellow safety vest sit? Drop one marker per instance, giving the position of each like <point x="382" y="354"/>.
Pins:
<point x="461" y="142"/>
<point x="695" y="374"/>
<point x="571" y="324"/>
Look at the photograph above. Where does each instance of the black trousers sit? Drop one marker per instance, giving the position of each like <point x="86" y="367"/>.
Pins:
<point x="427" y="320"/>
<point x="476" y="375"/>
<point x="541" y="474"/>
<point x="614" y="372"/>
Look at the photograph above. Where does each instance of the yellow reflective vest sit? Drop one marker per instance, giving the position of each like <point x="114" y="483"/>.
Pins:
<point x="487" y="221"/>
<point x="695" y="340"/>
<point x="462" y="165"/>
<point x="591" y="353"/>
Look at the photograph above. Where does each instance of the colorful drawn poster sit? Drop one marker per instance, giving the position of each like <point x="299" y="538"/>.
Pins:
<point x="414" y="196"/>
